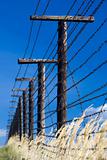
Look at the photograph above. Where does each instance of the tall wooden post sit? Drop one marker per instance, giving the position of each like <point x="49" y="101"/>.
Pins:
<point x="15" y="124"/>
<point x="62" y="68"/>
<point x="41" y="94"/>
<point x="41" y="97"/>
<point x="26" y="122"/>
<point x="62" y="64"/>
<point x="17" y="121"/>
<point x="31" y="109"/>
<point x="24" y="113"/>
<point x="20" y="117"/>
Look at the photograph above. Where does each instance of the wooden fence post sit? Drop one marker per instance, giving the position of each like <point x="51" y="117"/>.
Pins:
<point x="62" y="68"/>
<point x="20" y="117"/>
<point x="31" y="109"/>
<point x="41" y="98"/>
<point x="24" y="113"/>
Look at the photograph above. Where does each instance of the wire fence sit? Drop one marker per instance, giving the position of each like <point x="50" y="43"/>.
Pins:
<point x="86" y="83"/>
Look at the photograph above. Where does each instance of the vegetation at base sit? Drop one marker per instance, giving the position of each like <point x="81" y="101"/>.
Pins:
<point x="74" y="142"/>
<point x="6" y="153"/>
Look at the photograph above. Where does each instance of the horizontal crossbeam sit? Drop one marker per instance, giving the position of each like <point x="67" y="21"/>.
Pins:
<point x="19" y="89"/>
<point x="13" y="107"/>
<point x="33" y="61"/>
<point x="11" y="112"/>
<point x="15" y="95"/>
<point x="13" y="101"/>
<point x="24" y="79"/>
<point x="64" y="18"/>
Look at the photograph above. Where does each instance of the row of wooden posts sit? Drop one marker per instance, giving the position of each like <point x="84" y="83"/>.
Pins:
<point x="21" y="123"/>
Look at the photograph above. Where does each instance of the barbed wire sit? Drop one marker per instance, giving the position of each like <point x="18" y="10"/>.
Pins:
<point x="82" y="47"/>
<point x="92" y="95"/>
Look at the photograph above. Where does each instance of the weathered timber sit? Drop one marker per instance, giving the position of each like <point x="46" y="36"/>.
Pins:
<point x="31" y="109"/>
<point x="33" y="61"/>
<point x="62" y="68"/>
<point x="20" y="117"/>
<point x="41" y="99"/>
<point x="13" y="95"/>
<point x="24" y="113"/>
<point x="19" y="89"/>
<point x="24" y="79"/>
<point x="64" y="18"/>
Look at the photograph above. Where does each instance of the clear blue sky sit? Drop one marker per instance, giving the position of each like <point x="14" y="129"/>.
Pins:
<point x="14" y="29"/>
<point x="14" y="17"/>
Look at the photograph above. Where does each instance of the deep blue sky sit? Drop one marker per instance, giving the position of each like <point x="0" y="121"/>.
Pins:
<point x="14" y="17"/>
<point x="14" y="29"/>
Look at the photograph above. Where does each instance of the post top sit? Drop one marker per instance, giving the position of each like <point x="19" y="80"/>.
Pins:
<point x="34" y="61"/>
<point x="13" y="95"/>
<point x="13" y="101"/>
<point x="19" y="89"/>
<point x="25" y="79"/>
<point x="64" y="18"/>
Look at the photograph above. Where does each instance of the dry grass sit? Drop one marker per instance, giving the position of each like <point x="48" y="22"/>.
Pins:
<point x="73" y="143"/>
